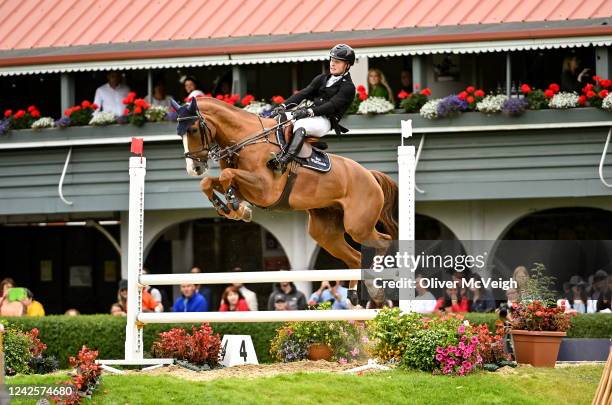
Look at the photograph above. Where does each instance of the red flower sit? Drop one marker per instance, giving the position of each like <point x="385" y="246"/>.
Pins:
<point x="35" y="114"/>
<point x="581" y="100"/>
<point x="126" y="112"/>
<point x="363" y="96"/>
<point x="605" y="83"/>
<point x="278" y="99"/>
<point x="426" y="91"/>
<point x="470" y="99"/>
<point x="587" y="88"/>
<point x="31" y="108"/>
<point x="246" y="100"/>
<point x="479" y="93"/>
<point x="137" y="109"/>
<point x="403" y="94"/>
<point x="76" y="108"/>
<point x="19" y="114"/>
<point x="462" y="96"/>
<point x="590" y="94"/>
<point x="132" y="94"/>
<point x="416" y="86"/>
<point x="554" y="87"/>
<point x="8" y="113"/>
<point x="596" y="78"/>
<point x="361" y="88"/>
<point x="85" y="104"/>
<point x="470" y="89"/>
<point x="603" y="93"/>
<point x="539" y="313"/>
<point x="525" y="89"/>
<point x="94" y="106"/>
<point x="219" y="97"/>
<point x="126" y="101"/>
<point x="549" y="93"/>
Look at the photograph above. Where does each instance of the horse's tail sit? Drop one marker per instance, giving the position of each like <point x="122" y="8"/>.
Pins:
<point x="388" y="216"/>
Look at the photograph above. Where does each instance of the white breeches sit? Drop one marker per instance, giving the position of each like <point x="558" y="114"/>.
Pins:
<point x="314" y="126"/>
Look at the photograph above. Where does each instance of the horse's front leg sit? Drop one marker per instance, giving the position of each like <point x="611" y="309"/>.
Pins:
<point x="208" y="185"/>
<point x="229" y="179"/>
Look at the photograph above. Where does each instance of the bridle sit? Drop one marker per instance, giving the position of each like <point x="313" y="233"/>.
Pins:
<point x="205" y="137"/>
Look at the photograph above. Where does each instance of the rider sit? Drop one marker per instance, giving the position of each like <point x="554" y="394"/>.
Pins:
<point x="331" y="94"/>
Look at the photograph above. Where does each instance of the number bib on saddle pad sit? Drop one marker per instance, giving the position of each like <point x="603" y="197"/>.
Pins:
<point x="318" y="161"/>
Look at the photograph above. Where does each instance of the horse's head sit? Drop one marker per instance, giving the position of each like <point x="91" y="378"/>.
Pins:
<point x="196" y="135"/>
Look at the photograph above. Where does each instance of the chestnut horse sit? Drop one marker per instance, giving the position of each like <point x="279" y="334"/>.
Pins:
<point x="347" y="199"/>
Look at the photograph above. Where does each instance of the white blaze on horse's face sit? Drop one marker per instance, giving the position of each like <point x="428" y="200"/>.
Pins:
<point x="193" y="167"/>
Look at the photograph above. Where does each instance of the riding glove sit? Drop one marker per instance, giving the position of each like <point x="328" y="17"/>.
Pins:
<point x="301" y="113"/>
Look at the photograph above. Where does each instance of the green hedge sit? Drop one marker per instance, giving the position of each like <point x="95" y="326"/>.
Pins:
<point x="64" y="335"/>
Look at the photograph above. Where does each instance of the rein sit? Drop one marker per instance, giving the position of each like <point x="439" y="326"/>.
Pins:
<point x="217" y="153"/>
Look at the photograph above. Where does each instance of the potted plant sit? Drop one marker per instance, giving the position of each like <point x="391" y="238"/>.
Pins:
<point x="538" y="325"/>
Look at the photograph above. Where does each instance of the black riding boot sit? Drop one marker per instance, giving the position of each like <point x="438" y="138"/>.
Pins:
<point x="280" y="163"/>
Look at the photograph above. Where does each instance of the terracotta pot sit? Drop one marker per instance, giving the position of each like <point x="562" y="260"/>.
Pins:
<point x="540" y="349"/>
<point x="319" y="351"/>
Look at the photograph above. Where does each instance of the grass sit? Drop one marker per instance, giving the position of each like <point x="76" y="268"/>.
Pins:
<point x="571" y="385"/>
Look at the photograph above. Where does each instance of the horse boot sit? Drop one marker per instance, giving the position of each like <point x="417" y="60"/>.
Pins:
<point x="279" y="164"/>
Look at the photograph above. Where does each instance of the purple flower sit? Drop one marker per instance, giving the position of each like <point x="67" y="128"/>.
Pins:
<point x="514" y="106"/>
<point x="451" y="105"/>
<point x="171" y="116"/>
<point x="63" y="122"/>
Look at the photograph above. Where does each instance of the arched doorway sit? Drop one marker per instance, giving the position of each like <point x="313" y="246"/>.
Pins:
<point x="572" y="243"/>
<point x="217" y="246"/>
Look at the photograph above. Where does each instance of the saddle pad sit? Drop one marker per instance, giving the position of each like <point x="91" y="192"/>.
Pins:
<point x="318" y="161"/>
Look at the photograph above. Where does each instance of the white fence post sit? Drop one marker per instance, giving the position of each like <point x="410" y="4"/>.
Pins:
<point x="133" y="333"/>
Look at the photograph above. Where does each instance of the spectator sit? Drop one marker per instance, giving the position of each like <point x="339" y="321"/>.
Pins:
<point x="10" y="302"/>
<point x="373" y="305"/>
<point x="280" y="304"/>
<point x="424" y="302"/>
<point x="202" y="289"/>
<point x="600" y="284"/>
<point x="191" y="87"/>
<point x="512" y="296"/>
<point x="5" y="285"/>
<point x="326" y="293"/>
<point x="453" y="301"/>
<point x="604" y="302"/>
<point x="159" y="96"/>
<point x="294" y="299"/>
<point x="521" y="276"/>
<point x="149" y="304"/>
<point x="190" y="300"/>
<point x="109" y="97"/>
<point x="118" y="310"/>
<point x="155" y="293"/>
<point x="72" y="312"/>
<point x="482" y="298"/>
<point x="571" y="80"/>
<point x="232" y="300"/>
<point x="378" y="86"/>
<point x="249" y="296"/>
<point x="406" y="80"/>
<point x="33" y="307"/>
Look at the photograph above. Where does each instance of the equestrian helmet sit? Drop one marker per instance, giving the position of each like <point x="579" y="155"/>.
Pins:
<point x="343" y="52"/>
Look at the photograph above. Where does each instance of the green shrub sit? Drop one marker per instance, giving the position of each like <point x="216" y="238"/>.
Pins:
<point x="16" y="351"/>
<point x="389" y="332"/>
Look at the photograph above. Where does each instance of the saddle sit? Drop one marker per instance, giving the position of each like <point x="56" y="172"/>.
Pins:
<point x="318" y="161"/>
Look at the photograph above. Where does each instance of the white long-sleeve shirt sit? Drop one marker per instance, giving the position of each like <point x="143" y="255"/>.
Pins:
<point x="111" y="100"/>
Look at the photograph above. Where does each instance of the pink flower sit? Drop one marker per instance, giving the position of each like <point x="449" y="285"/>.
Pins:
<point x="355" y="352"/>
<point x="342" y="360"/>
<point x="461" y="329"/>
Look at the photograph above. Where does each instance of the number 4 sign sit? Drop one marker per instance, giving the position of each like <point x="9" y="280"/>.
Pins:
<point x="237" y="350"/>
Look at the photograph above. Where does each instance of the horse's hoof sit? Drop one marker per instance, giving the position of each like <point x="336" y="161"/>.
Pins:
<point x="248" y="215"/>
<point x="353" y="297"/>
<point x="235" y="204"/>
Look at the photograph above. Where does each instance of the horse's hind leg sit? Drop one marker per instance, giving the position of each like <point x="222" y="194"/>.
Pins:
<point x="325" y="226"/>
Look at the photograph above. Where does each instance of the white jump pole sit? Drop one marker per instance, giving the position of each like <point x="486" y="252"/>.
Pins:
<point x="250" y="277"/>
<point x="258" y="316"/>
<point x="406" y="160"/>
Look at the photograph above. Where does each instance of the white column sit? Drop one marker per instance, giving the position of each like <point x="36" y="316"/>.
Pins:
<point x="66" y="91"/>
<point x="359" y="72"/>
<point x="299" y="254"/>
<point x="133" y="335"/>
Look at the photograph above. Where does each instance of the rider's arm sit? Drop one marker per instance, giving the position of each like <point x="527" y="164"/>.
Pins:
<point x="306" y="92"/>
<point x="338" y="103"/>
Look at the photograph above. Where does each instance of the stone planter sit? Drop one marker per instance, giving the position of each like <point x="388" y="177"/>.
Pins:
<point x="319" y="351"/>
<point x="538" y="348"/>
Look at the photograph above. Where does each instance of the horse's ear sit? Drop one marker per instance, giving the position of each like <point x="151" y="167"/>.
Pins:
<point x="193" y="107"/>
<point x="175" y="105"/>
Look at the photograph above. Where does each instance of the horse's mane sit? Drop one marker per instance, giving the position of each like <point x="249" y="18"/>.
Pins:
<point x="223" y="105"/>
